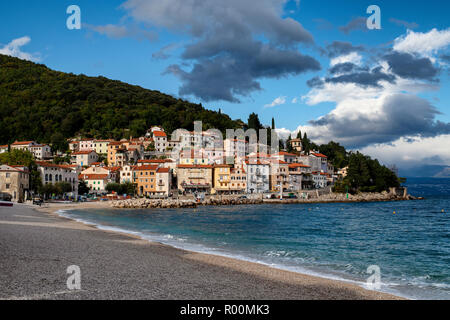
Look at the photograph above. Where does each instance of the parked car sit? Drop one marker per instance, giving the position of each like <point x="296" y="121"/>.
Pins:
<point x="37" y="201"/>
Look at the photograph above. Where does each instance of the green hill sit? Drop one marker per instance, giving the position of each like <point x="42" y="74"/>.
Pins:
<point x="37" y="103"/>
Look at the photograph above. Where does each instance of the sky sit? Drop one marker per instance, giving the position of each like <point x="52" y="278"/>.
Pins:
<point x="313" y="65"/>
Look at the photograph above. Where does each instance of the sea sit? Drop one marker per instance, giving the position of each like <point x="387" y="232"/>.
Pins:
<point x="399" y="247"/>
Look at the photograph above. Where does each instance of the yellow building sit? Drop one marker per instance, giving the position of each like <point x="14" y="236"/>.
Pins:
<point x="194" y="178"/>
<point x="238" y="182"/>
<point x="101" y="146"/>
<point x="146" y="180"/>
<point x="222" y="178"/>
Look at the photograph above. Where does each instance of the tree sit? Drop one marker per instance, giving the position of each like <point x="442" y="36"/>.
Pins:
<point x="299" y="134"/>
<point x="82" y="187"/>
<point x="58" y="142"/>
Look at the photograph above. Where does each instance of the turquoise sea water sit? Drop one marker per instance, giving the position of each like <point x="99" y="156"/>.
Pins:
<point x="339" y="241"/>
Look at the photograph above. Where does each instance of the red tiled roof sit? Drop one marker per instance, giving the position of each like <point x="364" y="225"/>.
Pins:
<point x="190" y="166"/>
<point x="163" y="170"/>
<point x="92" y="176"/>
<point x="282" y="153"/>
<point x="298" y="165"/>
<point x="52" y="165"/>
<point x="5" y="146"/>
<point x="155" y="161"/>
<point x="319" y="155"/>
<point x="21" y="143"/>
<point x="82" y="152"/>
<point x="159" y="134"/>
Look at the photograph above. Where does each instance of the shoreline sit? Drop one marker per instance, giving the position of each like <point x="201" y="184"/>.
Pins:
<point x="144" y="203"/>
<point x="240" y="265"/>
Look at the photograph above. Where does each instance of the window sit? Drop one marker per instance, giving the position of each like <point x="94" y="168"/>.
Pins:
<point x="8" y="175"/>
<point x="8" y="186"/>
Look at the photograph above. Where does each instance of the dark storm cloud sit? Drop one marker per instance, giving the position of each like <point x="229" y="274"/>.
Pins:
<point x="402" y="115"/>
<point x="225" y="77"/>
<point x="225" y="57"/>
<point x="359" y="23"/>
<point x="409" y="66"/>
<point x="315" y="82"/>
<point x="338" y="48"/>
<point x="363" y="78"/>
<point x="346" y="67"/>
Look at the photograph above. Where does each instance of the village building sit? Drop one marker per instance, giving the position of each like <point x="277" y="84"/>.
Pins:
<point x="160" y="140"/>
<point x="145" y="179"/>
<point x="164" y="181"/>
<point x="238" y="177"/>
<point x="296" y="144"/>
<point x="4" y="148"/>
<point x="195" y="178"/>
<point x="285" y="157"/>
<point x="84" y="158"/>
<point x="279" y="176"/>
<point x="53" y="173"/>
<point x="41" y="151"/>
<point x="22" y="145"/>
<point x="14" y="180"/>
<point x="258" y="172"/>
<point x="96" y="182"/>
<point x="222" y="179"/>
<point x="101" y="146"/>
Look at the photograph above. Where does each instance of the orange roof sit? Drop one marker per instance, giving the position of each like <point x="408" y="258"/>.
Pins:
<point x="319" y="155"/>
<point x="143" y="168"/>
<point x="282" y="153"/>
<point x="298" y="165"/>
<point x="155" y="161"/>
<point x="190" y="166"/>
<point x="82" y="152"/>
<point x="21" y="143"/>
<point x="52" y="165"/>
<point x="92" y="176"/>
<point x="113" y="169"/>
<point x="159" y="134"/>
<point x="4" y="146"/>
<point x="255" y="161"/>
<point x="163" y="170"/>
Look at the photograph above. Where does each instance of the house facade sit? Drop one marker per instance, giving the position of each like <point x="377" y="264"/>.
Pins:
<point x="195" y="178"/>
<point x="14" y="181"/>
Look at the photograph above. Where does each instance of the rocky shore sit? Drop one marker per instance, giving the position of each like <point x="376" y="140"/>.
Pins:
<point x="227" y="200"/>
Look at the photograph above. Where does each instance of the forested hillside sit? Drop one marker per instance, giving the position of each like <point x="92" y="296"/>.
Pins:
<point x="37" y="103"/>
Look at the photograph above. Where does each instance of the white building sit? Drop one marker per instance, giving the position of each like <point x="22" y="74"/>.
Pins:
<point x="53" y="173"/>
<point x="258" y="173"/>
<point x="84" y="158"/>
<point x="160" y="141"/>
<point x="41" y="151"/>
<point x="126" y="174"/>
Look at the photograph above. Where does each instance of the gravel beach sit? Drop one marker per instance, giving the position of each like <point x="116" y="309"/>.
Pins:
<point x="37" y="247"/>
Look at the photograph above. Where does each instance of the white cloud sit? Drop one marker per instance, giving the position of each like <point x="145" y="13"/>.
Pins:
<point x="407" y="153"/>
<point x="278" y="101"/>
<point x="427" y="43"/>
<point x="353" y="57"/>
<point x="295" y="100"/>
<point x="14" y="49"/>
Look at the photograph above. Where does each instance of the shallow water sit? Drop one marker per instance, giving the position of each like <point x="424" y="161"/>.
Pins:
<point x="339" y="241"/>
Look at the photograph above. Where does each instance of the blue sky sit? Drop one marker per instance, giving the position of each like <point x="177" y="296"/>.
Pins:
<point x="121" y="39"/>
